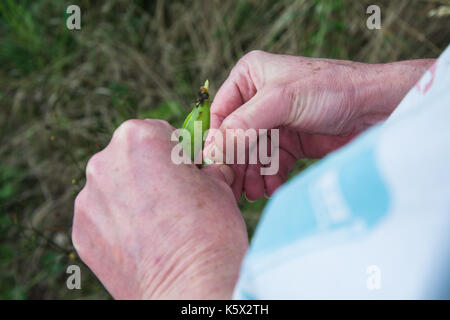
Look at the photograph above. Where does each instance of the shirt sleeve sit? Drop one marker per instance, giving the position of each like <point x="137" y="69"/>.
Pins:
<point x="369" y="221"/>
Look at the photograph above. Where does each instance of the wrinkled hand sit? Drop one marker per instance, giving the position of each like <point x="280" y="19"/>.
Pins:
<point x="318" y="105"/>
<point x="151" y="229"/>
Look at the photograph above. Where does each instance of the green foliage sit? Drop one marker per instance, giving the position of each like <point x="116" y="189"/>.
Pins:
<point x="170" y="111"/>
<point x="9" y="182"/>
<point x="26" y="45"/>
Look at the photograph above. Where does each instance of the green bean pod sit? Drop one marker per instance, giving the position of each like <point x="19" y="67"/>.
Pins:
<point x="197" y="123"/>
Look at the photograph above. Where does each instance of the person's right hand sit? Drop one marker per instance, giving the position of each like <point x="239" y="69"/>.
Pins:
<point x="318" y="105"/>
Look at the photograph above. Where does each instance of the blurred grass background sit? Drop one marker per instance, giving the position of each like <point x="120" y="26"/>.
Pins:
<point x="62" y="94"/>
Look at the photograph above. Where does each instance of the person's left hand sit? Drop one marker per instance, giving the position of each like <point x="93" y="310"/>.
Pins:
<point x="151" y="229"/>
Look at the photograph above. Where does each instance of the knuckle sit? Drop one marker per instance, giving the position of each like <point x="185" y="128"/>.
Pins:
<point x="163" y="124"/>
<point x="248" y="73"/>
<point x="127" y="128"/>
<point x="93" y="166"/>
<point x="148" y="133"/>
<point x="80" y="200"/>
<point x="138" y="130"/>
<point x="243" y="64"/>
<point x="254" y="54"/>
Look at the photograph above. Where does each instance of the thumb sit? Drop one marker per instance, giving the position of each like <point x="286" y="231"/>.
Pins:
<point x="221" y="172"/>
<point x="268" y="109"/>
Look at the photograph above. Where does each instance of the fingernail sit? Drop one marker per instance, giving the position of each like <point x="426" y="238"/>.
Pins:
<point x="212" y="153"/>
<point x="245" y="196"/>
<point x="228" y="173"/>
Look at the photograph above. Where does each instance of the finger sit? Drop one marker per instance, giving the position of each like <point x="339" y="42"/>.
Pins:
<point x="227" y="99"/>
<point x="253" y="183"/>
<point x="239" y="177"/>
<point x="271" y="184"/>
<point x="221" y="172"/>
<point x="267" y="109"/>
<point x="161" y="124"/>
<point x="286" y="163"/>
<point x="235" y="91"/>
